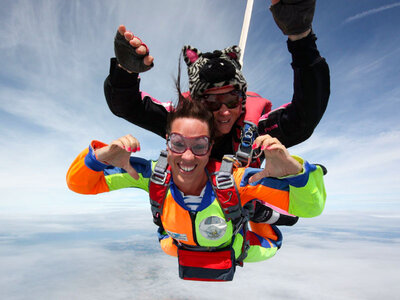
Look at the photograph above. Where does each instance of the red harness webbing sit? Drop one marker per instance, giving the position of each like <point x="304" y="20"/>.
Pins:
<point x="220" y="174"/>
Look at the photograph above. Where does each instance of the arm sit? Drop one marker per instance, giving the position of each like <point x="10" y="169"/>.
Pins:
<point x="286" y="183"/>
<point x="295" y="122"/>
<point x="302" y="195"/>
<point x="121" y="87"/>
<point x="88" y="175"/>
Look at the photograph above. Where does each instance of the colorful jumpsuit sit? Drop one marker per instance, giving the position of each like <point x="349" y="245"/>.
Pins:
<point x="302" y="195"/>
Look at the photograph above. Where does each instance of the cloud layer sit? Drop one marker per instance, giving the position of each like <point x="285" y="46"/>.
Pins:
<point x="115" y="255"/>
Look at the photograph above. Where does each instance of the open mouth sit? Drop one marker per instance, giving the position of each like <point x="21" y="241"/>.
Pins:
<point x="186" y="169"/>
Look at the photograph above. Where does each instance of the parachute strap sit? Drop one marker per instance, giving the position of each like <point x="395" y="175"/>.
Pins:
<point x="159" y="174"/>
<point x="224" y="178"/>
<point x="256" y="106"/>
<point x="245" y="246"/>
<point x="158" y="187"/>
<point x="225" y="189"/>
<point x="245" y="151"/>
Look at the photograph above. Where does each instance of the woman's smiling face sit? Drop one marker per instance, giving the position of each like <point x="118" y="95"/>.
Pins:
<point x="188" y="169"/>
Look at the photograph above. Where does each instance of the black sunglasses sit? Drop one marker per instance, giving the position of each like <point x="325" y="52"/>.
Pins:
<point x="213" y="102"/>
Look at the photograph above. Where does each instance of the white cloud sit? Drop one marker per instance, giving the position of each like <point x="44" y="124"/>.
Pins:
<point x="371" y="12"/>
<point x="116" y="255"/>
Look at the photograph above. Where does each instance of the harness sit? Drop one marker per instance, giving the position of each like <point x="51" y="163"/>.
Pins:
<point x="245" y="152"/>
<point x="224" y="187"/>
<point x="256" y="106"/>
<point x="220" y="175"/>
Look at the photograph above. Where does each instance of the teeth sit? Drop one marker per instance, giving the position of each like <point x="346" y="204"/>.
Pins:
<point x="224" y="121"/>
<point x="186" y="169"/>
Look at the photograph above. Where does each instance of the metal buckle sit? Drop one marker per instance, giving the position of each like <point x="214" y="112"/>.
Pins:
<point x="244" y="156"/>
<point x="159" y="174"/>
<point x="224" y="178"/>
<point x="158" y="177"/>
<point x="224" y="182"/>
<point x="232" y="159"/>
<point x="248" y="135"/>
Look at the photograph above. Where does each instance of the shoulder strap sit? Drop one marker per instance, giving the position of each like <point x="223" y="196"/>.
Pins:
<point x="224" y="186"/>
<point x="228" y="197"/>
<point x="158" y="187"/>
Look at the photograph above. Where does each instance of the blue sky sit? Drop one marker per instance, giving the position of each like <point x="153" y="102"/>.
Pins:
<point x="54" y="57"/>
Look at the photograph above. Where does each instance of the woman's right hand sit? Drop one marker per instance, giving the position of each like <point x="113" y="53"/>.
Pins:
<point x="118" y="154"/>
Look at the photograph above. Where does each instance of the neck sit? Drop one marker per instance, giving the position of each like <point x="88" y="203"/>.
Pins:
<point x="217" y="134"/>
<point x="192" y="188"/>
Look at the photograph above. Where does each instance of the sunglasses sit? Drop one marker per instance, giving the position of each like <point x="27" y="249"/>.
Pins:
<point x="199" y="146"/>
<point x="213" y="102"/>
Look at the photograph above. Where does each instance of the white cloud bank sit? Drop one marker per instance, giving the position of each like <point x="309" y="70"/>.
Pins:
<point x="115" y="255"/>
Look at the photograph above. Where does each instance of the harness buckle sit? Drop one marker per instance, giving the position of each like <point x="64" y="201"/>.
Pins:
<point x="223" y="182"/>
<point x="224" y="178"/>
<point x="158" y="177"/>
<point x="159" y="174"/>
<point x="248" y="135"/>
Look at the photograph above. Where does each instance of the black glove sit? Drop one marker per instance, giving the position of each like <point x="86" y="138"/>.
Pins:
<point x="262" y="213"/>
<point x="127" y="56"/>
<point x="293" y="16"/>
<point x="265" y="214"/>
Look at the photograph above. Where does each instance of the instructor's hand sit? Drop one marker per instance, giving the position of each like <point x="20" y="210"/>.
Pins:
<point x="278" y="161"/>
<point x="293" y="17"/>
<point x="132" y="54"/>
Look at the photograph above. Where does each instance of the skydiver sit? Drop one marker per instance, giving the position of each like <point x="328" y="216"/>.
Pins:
<point x="238" y="114"/>
<point x="202" y="216"/>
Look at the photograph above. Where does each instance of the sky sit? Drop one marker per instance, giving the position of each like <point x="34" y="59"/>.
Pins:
<point x="54" y="57"/>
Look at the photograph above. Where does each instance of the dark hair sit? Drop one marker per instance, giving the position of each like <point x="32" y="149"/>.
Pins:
<point x="187" y="108"/>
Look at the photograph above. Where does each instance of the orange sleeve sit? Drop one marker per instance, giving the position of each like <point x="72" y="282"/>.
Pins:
<point x="83" y="180"/>
<point x="273" y="196"/>
<point x="264" y="230"/>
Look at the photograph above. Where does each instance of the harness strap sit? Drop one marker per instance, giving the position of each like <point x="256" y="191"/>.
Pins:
<point x="158" y="186"/>
<point x="245" y="246"/>
<point x="225" y="189"/>
<point x="228" y="197"/>
<point x="159" y="175"/>
<point x="248" y="134"/>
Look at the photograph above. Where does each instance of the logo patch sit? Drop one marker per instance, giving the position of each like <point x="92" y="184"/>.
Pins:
<point x="177" y="236"/>
<point x="213" y="228"/>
